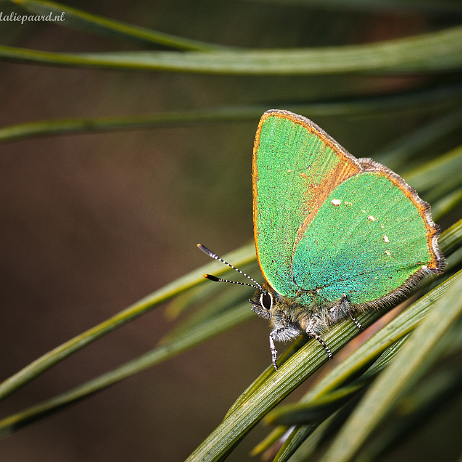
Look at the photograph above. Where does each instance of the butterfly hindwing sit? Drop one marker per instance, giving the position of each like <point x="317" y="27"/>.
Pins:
<point x="369" y="239"/>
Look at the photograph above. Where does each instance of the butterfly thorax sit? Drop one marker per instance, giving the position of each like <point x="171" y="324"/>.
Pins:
<point x="303" y="313"/>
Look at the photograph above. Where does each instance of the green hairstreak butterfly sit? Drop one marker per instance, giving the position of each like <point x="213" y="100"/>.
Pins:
<point x="334" y="235"/>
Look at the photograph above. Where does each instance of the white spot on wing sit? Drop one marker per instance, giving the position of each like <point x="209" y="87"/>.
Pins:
<point x="385" y="238"/>
<point x="387" y="252"/>
<point x="335" y="202"/>
<point x="370" y="217"/>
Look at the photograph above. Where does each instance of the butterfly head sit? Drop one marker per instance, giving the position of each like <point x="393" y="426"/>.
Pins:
<point x="263" y="303"/>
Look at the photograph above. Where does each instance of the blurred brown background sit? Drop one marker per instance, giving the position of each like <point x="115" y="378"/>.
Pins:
<point x="92" y="223"/>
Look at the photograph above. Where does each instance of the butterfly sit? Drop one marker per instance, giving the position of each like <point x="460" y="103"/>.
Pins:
<point x="334" y="235"/>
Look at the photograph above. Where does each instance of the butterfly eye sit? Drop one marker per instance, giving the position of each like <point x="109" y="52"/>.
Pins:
<point x="266" y="300"/>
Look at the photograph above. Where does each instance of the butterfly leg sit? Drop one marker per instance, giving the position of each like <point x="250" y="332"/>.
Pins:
<point x="277" y="332"/>
<point x="274" y="352"/>
<point x="345" y="307"/>
<point x="321" y="341"/>
<point x="358" y="324"/>
<point x="282" y="334"/>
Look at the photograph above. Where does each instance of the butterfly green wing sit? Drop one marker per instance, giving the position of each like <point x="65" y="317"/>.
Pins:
<point x="331" y="224"/>
<point x="296" y="166"/>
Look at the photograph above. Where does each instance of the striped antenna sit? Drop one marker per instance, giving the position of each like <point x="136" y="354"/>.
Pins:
<point x="211" y="254"/>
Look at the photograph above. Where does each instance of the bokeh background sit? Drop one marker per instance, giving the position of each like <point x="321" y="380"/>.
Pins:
<point x="91" y="223"/>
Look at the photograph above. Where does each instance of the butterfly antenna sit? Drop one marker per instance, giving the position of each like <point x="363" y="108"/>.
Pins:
<point x="204" y="249"/>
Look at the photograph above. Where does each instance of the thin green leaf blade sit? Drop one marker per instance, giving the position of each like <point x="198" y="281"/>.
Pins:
<point x="167" y="350"/>
<point x="398" y="377"/>
<point x="425" y="98"/>
<point x="73" y="17"/>
<point x="40" y="365"/>
<point x="427" y="53"/>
